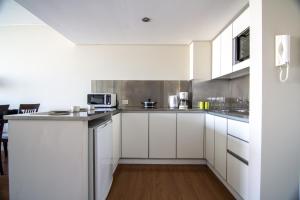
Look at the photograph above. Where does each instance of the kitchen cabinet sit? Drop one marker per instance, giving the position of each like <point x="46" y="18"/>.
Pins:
<point x="239" y="129"/>
<point x="162" y="135"/>
<point x="116" y="126"/>
<point x="216" y="57"/>
<point x="134" y="135"/>
<point x="238" y="157"/>
<point x="200" y="60"/>
<point x="210" y="138"/>
<point x="226" y="51"/>
<point x="220" y="145"/>
<point x="222" y="53"/>
<point x="237" y="175"/>
<point x="190" y="129"/>
<point x="241" y="23"/>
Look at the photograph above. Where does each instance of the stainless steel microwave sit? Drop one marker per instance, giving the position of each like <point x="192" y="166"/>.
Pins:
<point x="241" y="47"/>
<point x="102" y="100"/>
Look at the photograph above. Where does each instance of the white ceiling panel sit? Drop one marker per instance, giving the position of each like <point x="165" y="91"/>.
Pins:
<point x="119" y="21"/>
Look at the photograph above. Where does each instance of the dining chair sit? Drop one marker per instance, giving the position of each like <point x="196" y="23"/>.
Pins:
<point x="5" y="133"/>
<point x="3" y="111"/>
<point x="28" y="108"/>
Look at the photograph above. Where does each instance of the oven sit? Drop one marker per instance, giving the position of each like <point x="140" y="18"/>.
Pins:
<point x="241" y="47"/>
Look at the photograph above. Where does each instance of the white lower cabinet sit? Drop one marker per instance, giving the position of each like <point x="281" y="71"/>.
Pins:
<point x="162" y="135"/>
<point x="237" y="175"/>
<point x="190" y="129"/>
<point x="220" y="145"/>
<point x="210" y="138"/>
<point x="135" y="135"/>
<point x="116" y="127"/>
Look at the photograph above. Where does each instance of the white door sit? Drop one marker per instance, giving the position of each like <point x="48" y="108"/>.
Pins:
<point x="134" y="135"/>
<point x="103" y="160"/>
<point x="116" y="120"/>
<point x="162" y="135"/>
<point x="190" y="129"/>
<point x="210" y="138"/>
<point x="216" y="57"/>
<point x="220" y="145"/>
<point x="226" y="51"/>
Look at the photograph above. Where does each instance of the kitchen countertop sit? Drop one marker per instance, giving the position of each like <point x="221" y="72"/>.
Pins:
<point x="141" y="109"/>
<point x="78" y="116"/>
<point x="231" y="115"/>
<point x="239" y="116"/>
<point x="88" y="116"/>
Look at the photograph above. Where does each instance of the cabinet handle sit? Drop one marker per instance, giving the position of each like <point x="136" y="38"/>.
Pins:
<point x="238" y="157"/>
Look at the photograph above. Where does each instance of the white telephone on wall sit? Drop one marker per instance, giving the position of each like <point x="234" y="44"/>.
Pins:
<point x="282" y="54"/>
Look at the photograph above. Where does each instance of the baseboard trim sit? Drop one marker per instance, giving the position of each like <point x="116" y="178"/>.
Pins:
<point x="231" y="190"/>
<point x="163" y="161"/>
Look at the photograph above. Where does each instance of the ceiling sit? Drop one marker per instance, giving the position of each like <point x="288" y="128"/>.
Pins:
<point x="119" y="21"/>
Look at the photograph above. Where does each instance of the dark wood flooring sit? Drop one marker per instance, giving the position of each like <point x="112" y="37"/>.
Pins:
<point x="156" y="182"/>
<point x="164" y="182"/>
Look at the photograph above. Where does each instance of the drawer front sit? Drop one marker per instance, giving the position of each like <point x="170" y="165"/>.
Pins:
<point x="238" y="147"/>
<point x="237" y="175"/>
<point x="238" y="129"/>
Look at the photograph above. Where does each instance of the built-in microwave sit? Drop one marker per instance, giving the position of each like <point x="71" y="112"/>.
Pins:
<point x="102" y="100"/>
<point x="241" y="47"/>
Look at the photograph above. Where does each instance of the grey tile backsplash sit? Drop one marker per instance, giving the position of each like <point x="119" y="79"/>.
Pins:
<point x="137" y="92"/>
<point x="231" y="93"/>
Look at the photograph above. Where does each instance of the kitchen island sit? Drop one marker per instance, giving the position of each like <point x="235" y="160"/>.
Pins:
<point x="49" y="155"/>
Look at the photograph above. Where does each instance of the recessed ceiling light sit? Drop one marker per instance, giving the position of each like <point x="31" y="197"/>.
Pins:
<point x="146" y="19"/>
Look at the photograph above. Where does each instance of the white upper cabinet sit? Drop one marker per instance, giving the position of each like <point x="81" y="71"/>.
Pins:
<point x="135" y="135"/>
<point x="220" y="145"/>
<point x="162" y="135"/>
<point x="210" y="138"/>
<point x="226" y="51"/>
<point x="200" y="60"/>
<point x="222" y="48"/>
<point x="241" y="23"/>
<point x="190" y="133"/>
<point x="216" y="57"/>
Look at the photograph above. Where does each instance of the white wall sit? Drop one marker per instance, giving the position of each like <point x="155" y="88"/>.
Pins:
<point x="276" y="103"/>
<point x="39" y="65"/>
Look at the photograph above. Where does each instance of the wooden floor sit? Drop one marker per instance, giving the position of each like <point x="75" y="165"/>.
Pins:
<point x="157" y="182"/>
<point x="164" y="182"/>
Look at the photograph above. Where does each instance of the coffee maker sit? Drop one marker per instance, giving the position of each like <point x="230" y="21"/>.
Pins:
<point x="183" y="100"/>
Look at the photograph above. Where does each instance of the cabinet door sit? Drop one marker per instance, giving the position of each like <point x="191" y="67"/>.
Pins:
<point x="135" y="135"/>
<point x="200" y="60"/>
<point x="216" y="57"/>
<point x="190" y="128"/>
<point x="162" y="135"/>
<point x="220" y="145"/>
<point x="116" y="123"/>
<point x="226" y="51"/>
<point x="210" y="138"/>
<point x="241" y="23"/>
<point x="237" y="175"/>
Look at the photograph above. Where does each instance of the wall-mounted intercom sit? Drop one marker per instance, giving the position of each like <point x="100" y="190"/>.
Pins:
<point x="282" y="54"/>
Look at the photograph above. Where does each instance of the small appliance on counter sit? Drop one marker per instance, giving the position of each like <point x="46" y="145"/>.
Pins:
<point x="173" y="101"/>
<point x="183" y="100"/>
<point x="102" y="100"/>
<point x="149" y="104"/>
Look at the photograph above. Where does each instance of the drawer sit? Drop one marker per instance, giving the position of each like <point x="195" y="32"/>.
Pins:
<point x="238" y="129"/>
<point x="238" y="147"/>
<point x="237" y="175"/>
